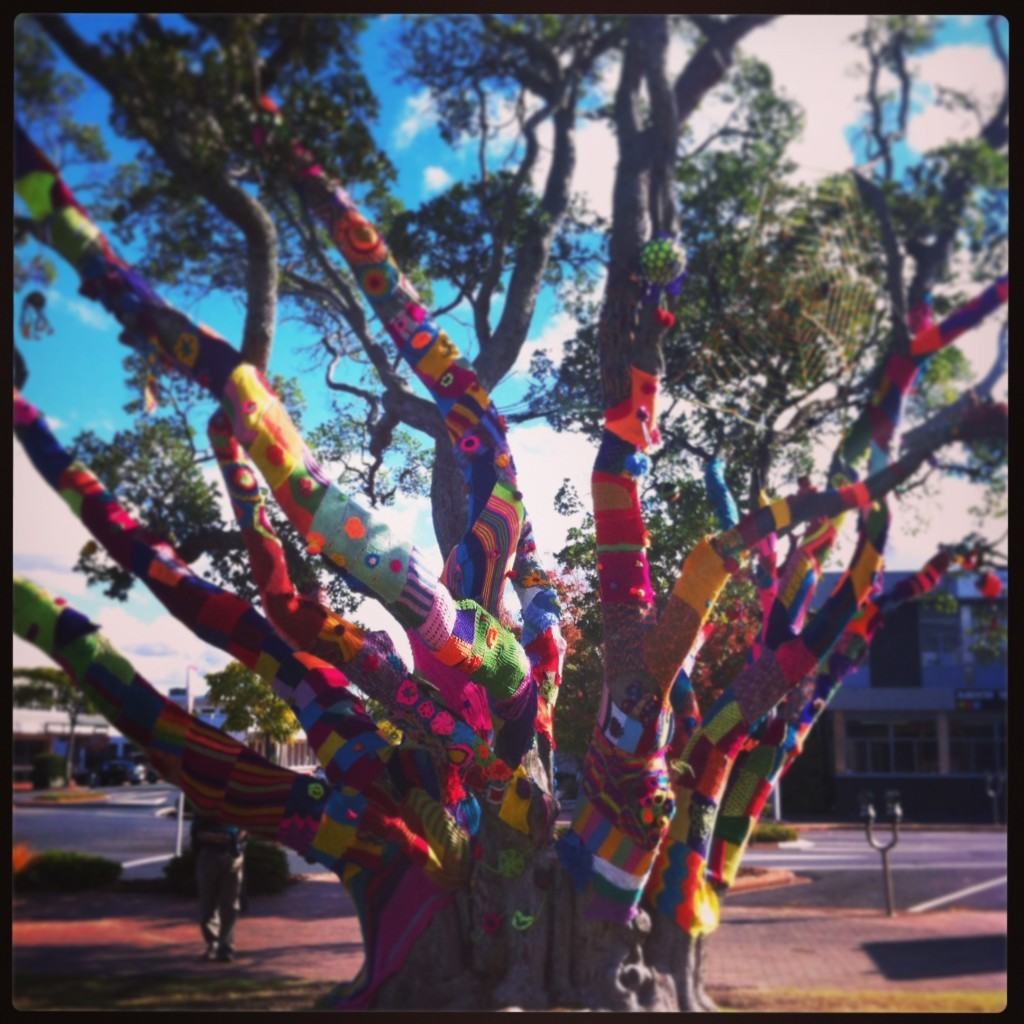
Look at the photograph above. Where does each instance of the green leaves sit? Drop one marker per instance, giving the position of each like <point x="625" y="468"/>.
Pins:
<point x="249" y="704"/>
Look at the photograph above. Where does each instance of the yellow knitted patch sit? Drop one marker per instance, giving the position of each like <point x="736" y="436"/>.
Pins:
<point x="612" y="494"/>
<point x="266" y="667"/>
<point x="514" y="807"/>
<point x="438" y="357"/>
<point x="722" y="722"/>
<point x="740" y="793"/>
<point x="864" y="569"/>
<point x="781" y="513"/>
<point x="703" y="576"/>
<point x="329" y="748"/>
<point x="333" y="838"/>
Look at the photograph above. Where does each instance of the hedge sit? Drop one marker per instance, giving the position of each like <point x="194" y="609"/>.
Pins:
<point x="46" y="769"/>
<point x="66" y="871"/>
<point x="266" y="870"/>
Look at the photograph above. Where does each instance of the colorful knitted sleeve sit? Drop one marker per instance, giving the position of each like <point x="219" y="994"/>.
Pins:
<point x="686" y="714"/>
<point x="460" y="633"/>
<point x="766" y="765"/>
<point x="383" y="781"/>
<point x="463" y="758"/>
<point x="626" y="800"/>
<point x="679" y="887"/>
<point x="874" y="427"/>
<point x="368" y="659"/>
<point x="498" y="543"/>
<point x="394" y="899"/>
<point x="215" y="772"/>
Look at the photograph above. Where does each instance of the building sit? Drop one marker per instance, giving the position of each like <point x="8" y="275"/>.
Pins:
<point x="36" y="731"/>
<point x="926" y="716"/>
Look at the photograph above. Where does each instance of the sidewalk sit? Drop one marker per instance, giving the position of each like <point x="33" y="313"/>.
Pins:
<point x="310" y="932"/>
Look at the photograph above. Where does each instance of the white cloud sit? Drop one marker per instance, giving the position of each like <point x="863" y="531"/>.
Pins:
<point x="544" y="458"/>
<point x="972" y="69"/>
<point x="418" y="115"/>
<point x="88" y="313"/>
<point x="558" y="329"/>
<point x="160" y="650"/>
<point x="435" y="178"/>
<point x="812" y="61"/>
<point x="47" y="535"/>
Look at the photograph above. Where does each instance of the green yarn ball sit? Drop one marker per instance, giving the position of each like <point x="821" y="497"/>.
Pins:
<point x="662" y="260"/>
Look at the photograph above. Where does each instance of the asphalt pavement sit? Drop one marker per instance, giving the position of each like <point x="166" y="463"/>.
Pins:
<point x="137" y="827"/>
<point x="930" y="869"/>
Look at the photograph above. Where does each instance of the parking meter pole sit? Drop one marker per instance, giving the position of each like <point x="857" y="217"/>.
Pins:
<point x="895" y="815"/>
<point x="890" y="906"/>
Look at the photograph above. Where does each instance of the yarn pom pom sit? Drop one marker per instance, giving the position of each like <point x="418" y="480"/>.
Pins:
<point x="637" y="464"/>
<point x="990" y="585"/>
<point x="662" y="260"/>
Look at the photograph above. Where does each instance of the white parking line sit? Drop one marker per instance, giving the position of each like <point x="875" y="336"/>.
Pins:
<point x="146" y="860"/>
<point x="969" y="891"/>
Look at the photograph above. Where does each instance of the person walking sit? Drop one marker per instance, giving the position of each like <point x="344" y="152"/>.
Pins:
<point x="220" y="858"/>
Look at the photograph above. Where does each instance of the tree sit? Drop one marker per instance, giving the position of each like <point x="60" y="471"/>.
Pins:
<point x="442" y="826"/>
<point x="52" y="689"/>
<point x="249" y="705"/>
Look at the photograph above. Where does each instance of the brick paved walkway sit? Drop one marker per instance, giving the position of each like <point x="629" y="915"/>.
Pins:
<point x="135" y="933"/>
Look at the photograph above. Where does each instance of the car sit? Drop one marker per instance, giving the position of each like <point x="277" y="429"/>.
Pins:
<point x="150" y="772"/>
<point x="117" y="772"/>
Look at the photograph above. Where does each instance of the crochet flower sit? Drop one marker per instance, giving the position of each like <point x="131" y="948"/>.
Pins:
<point x="443" y="724"/>
<point x="407" y="693"/>
<point x="491" y="922"/>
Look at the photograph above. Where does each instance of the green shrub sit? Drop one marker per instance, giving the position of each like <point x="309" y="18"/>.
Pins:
<point x="266" y="870"/>
<point x="772" y="832"/>
<point x="46" y="769"/>
<point x="66" y="871"/>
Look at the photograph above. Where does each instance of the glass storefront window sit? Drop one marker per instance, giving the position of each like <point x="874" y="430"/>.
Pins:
<point x="977" y="746"/>
<point x="907" y="747"/>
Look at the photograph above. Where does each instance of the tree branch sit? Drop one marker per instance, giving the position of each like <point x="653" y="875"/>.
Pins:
<point x="214" y="184"/>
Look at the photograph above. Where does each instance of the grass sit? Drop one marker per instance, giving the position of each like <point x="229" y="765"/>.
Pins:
<point x="68" y="796"/>
<point x="834" y="1000"/>
<point x="772" y="832"/>
<point x="153" y="992"/>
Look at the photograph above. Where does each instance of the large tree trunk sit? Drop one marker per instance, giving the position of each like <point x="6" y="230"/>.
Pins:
<point x="522" y="942"/>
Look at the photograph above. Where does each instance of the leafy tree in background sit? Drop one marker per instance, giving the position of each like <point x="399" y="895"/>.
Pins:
<point x="217" y="206"/>
<point x="249" y="705"/>
<point x="53" y="690"/>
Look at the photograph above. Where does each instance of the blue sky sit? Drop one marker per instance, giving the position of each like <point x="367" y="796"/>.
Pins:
<point x="75" y="376"/>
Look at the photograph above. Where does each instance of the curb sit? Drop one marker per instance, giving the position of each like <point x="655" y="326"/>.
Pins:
<point x="61" y="803"/>
<point x="771" y="878"/>
<point x="857" y="826"/>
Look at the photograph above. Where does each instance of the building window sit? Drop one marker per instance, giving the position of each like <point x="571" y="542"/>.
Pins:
<point x="977" y="746"/>
<point x="940" y="635"/>
<point x="908" y="747"/>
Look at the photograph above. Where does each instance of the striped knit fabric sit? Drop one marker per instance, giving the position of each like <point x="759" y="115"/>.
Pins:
<point x="453" y="727"/>
<point x="757" y="771"/>
<point x="679" y="887"/>
<point x="460" y="633"/>
<point x="355" y="755"/>
<point x="498" y="543"/>
<point x="217" y="773"/>
<point x="626" y="801"/>
<point x="228" y="780"/>
<point x="874" y="427"/>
